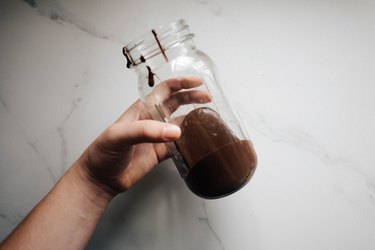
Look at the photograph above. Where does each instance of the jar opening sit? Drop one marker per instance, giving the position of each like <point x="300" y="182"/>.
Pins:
<point x="157" y="42"/>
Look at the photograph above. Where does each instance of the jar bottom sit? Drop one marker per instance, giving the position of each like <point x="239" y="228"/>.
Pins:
<point x="223" y="171"/>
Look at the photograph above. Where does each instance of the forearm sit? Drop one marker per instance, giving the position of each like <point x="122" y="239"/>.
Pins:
<point x="122" y="155"/>
<point x="64" y="219"/>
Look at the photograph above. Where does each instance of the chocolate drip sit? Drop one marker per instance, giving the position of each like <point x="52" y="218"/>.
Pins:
<point x="151" y="74"/>
<point x="128" y="61"/>
<point x="160" y="47"/>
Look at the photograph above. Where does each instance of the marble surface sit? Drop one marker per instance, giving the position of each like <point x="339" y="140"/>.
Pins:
<point x="300" y="74"/>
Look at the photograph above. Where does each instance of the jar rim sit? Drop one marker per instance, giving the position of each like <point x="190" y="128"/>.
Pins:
<point x="161" y="30"/>
<point x="165" y="36"/>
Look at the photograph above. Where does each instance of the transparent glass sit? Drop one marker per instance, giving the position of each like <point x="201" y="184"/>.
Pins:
<point x="177" y="84"/>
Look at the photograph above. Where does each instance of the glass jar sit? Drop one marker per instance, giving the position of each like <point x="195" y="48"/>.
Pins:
<point x="177" y="84"/>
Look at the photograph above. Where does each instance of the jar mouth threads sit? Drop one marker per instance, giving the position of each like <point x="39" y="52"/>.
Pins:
<point x="157" y="42"/>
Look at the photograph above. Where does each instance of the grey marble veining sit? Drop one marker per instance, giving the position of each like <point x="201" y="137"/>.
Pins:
<point x="206" y="220"/>
<point x="54" y="11"/>
<point x="302" y="140"/>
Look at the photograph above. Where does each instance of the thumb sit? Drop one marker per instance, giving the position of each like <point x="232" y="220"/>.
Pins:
<point x="143" y="131"/>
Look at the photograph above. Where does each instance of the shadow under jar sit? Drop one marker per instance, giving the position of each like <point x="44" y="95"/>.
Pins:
<point x="177" y="84"/>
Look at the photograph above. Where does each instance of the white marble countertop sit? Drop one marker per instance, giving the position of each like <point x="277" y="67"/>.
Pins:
<point x="300" y="74"/>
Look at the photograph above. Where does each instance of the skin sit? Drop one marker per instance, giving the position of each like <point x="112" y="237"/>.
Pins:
<point x="117" y="159"/>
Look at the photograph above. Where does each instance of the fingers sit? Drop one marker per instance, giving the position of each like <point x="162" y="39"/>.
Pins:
<point x="163" y="90"/>
<point x="183" y="98"/>
<point x="135" y="112"/>
<point x="177" y="84"/>
<point x="169" y="93"/>
<point x="142" y="131"/>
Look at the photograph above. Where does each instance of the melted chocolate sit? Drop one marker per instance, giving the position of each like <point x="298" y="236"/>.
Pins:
<point x="159" y="44"/>
<point x="202" y="131"/>
<point x="151" y="74"/>
<point x="128" y="61"/>
<point x="218" y="162"/>
<point x="223" y="171"/>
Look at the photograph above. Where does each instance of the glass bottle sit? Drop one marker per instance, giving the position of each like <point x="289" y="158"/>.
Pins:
<point x="177" y="84"/>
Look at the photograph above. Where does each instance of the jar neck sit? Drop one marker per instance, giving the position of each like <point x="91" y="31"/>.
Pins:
<point x="160" y="46"/>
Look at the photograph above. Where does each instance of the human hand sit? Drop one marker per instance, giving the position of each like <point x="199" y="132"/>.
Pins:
<point x="131" y="147"/>
<point x="114" y="162"/>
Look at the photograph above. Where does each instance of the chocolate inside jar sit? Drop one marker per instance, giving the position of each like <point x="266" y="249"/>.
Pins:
<point x="219" y="163"/>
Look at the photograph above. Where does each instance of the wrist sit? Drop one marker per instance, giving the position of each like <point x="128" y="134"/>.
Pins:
<point x="95" y="194"/>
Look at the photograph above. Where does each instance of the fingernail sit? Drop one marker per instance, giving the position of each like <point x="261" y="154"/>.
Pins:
<point x="171" y="132"/>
